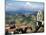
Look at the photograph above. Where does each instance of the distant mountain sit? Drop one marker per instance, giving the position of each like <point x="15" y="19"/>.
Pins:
<point x="10" y="13"/>
<point x="20" y="12"/>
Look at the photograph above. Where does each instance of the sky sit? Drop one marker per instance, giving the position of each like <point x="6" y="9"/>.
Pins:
<point x="12" y="5"/>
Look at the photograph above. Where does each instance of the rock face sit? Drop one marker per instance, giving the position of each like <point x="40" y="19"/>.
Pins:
<point x="29" y="31"/>
<point x="41" y="29"/>
<point x="40" y="16"/>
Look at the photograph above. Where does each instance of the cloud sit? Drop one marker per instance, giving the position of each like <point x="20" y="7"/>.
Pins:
<point x="23" y="0"/>
<point x="13" y="6"/>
